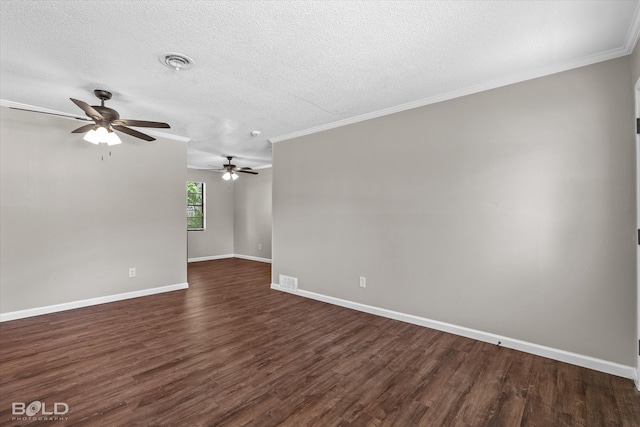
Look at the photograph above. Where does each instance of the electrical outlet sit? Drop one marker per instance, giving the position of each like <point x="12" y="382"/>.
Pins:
<point x="363" y="282"/>
<point x="259" y="246"/>
<point x="132" y="272"/>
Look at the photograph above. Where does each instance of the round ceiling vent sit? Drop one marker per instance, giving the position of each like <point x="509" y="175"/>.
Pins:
<point x="176" y="61"/>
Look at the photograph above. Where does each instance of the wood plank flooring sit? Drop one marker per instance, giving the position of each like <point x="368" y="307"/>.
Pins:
<point x="229" y="351"/>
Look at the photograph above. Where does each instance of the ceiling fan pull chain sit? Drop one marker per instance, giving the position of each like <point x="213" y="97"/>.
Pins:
<point x="102" y="155"/>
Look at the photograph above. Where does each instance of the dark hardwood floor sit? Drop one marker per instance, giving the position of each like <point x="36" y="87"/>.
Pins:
<point x="229" y="351"/>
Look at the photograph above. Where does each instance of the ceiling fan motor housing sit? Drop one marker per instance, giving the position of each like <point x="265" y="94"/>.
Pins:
<point x="108" y="113"/>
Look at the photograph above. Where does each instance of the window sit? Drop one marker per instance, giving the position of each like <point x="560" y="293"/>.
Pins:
<point x="195" y="205"/>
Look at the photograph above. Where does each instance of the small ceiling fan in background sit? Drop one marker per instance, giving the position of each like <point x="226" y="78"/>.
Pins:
<point x="230" y="170"/>
<point x="105" y="121"/>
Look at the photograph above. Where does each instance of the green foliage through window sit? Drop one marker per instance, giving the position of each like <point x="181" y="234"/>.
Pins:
<point x="195" y="205"/>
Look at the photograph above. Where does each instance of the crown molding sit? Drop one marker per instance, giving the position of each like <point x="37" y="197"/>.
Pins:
<point x="634" y="32"/>
<point x="12" y="104"/>
<point x="632" y="38"/>
<point x="159" y="134"/>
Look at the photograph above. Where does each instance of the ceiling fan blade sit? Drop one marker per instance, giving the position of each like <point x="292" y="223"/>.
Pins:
<point x="246" y="171"/>
<point x="83" y="129"/>
<point x="133" y="132"/>
<point x="52" y="114"/>
<point x="141" y="123"/>
<point x="88" y="109"/>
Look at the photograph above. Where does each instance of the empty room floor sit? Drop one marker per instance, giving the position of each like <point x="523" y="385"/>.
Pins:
<point x="230" y="351"/>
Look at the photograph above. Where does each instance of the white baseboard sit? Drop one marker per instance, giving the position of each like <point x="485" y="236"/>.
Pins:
<point x="252" y="258"/>
<point x="210" y="258"/>
<point x="38" y="311"/>
<point x="214" y="257"/>
<point x="539" y="350"/>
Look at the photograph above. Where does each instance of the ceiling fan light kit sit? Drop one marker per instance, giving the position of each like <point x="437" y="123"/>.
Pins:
<point x="102" y="135"/>
<point x="230" y="175"/>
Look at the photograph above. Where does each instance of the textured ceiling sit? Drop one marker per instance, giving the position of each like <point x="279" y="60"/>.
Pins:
<point x="283" y="67"/>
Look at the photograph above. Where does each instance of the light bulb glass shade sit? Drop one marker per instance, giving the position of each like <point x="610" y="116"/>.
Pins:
<point x="226" y="176"/>
<point x="102" y="134"/>
<point x="91" y="137"/>
<point x="112" y="138"/>
<point x="234" y="176"/>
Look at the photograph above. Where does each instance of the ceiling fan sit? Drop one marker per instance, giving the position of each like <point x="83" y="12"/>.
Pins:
<point x="230" y="170"/>
<point x="106" y="120"/>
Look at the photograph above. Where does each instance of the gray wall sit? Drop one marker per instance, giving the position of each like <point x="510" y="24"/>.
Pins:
<point x="509" y="211"/>
<point x="238" y="216"/>
<point x="217" y="238"/>
<point x="635" y="64"/>
<point x="252" y="214"/>
<point x="71" y="225"/>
